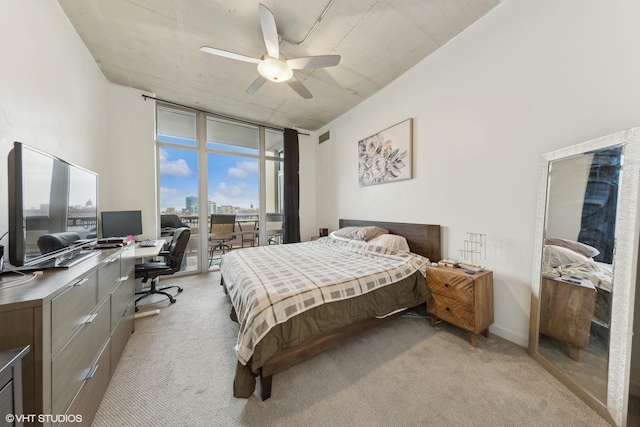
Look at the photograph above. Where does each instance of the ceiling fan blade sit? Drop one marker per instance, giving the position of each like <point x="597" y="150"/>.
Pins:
<point x="220" y="52"/>
<point x="299" y="87"/>
<point x="257" y="84"/>
<point x="319" y="61"/>
<point x="269" y="32"/>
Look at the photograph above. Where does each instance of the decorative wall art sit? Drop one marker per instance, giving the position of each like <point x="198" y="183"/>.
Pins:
<point x="386" y="156"/>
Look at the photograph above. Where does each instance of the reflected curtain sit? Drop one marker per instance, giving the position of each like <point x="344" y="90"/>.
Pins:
<point x="291" y="232"/>
<point x="598" y="223"/>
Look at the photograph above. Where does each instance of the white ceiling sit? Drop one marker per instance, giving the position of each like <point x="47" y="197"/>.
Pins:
<point x="153" y="45"/>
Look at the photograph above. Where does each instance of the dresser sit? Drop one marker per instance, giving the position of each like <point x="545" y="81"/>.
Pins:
<point x="77" y="322"/>
<point x="462" y="299"/>
<point x="11" y="386"/>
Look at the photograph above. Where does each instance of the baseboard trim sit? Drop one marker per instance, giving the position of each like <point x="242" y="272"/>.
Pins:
<point x="509" y="335"/>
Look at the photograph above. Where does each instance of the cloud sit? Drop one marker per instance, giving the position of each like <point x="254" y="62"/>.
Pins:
<point x="243" y="170"/>
<point x="240" y="194"/>
<point x="178" y="167"/>
<point x="172" y="198"/>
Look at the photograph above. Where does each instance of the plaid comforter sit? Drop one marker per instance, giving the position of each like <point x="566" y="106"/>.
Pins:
<point x="270" y="284"/>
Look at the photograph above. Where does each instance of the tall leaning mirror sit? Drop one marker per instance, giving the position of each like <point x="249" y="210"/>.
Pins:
<point x="584" y="271"/>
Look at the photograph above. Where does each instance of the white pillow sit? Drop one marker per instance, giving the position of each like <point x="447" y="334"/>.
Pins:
<point x="360" y="233"/>
<point x="390" y="241"/>
<point x="555" y="256"/>
<point x="334" y="236"/>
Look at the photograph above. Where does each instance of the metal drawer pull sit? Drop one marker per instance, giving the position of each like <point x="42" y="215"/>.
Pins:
<point x="112" y="260"/>
<point x="92" y="372"/>
<point x="81" y="282"/>
<point x="90" y="318"/>
<point x="124" y="313"/>
<point x="124" y="279"/>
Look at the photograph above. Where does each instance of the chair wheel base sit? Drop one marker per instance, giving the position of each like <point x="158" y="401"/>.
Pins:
<point x="180" y="289"/>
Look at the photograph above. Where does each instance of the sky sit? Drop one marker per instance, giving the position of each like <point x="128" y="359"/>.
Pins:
<point x="232" y="180"/>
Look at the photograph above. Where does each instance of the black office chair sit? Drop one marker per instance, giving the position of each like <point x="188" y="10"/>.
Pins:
<point x="173" y="258"/>
<point x="169" y="223"/>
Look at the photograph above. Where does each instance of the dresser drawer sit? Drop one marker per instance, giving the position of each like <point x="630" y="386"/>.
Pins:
<point x="122" y="302"/>
<point x="70" y="310"/>
<point x="71" y="366"/>
<point x="453" y="311"/>
<point x="127" y="261"/>
<point x="88" y="399"/>
<point x="6" y="402"/>
<point x="451" y="285"/>
<point x="119" y="339"/>
<point x="108" y="277"/>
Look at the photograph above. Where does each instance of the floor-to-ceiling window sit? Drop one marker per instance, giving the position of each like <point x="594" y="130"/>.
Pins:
<point x="208" y="166"/>
<point x="178" y="175"/>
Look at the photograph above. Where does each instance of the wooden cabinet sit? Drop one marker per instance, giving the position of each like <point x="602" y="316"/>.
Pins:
<point x="566" y="310"/>
<point x="462" y="299"/>
<point x="77" y="322"/>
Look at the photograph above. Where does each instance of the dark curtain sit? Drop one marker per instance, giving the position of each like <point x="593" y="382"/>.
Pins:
<point x="598" y="224"/>
<point x="291" y="225"/>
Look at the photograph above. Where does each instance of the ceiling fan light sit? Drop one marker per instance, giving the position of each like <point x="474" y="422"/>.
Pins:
<point x="275" y="70"/>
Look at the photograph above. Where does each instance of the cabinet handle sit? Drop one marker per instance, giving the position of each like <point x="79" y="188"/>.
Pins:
<point x="112" y="260"/>
<point x="124" y="279"/>
<point x="448" y="309"/>
<point x="124" y="313"/>
<point x="81" y="282"/>
<point x="92" y="372"/>
<point x="90" y="318"/>
<point x="446" y="285"/>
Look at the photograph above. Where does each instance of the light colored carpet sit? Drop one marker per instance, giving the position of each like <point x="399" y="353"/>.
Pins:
<point x="178" y="367"/>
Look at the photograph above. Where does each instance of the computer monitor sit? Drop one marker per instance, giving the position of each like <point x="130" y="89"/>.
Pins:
<point x="121" y="223"/>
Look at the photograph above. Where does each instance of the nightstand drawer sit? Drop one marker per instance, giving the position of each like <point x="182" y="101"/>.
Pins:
<point x="454" y="286"/>
<point x="453" y="311"/>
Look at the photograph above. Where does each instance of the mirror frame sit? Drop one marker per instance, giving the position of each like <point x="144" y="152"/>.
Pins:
<point x="614" y="410"/>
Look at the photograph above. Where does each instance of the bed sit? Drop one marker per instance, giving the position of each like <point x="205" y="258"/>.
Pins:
<point x="334" y="298"/>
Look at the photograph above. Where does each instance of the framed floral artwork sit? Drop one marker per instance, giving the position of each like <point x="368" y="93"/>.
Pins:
<point x="386" y="156"/>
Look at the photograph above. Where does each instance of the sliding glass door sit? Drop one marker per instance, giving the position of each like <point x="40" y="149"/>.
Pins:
<point x="214" y="170"/>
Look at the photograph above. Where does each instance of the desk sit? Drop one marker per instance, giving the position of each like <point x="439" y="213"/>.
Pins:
<point x="150" y="251"/>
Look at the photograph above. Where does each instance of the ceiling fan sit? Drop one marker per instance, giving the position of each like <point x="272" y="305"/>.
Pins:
<point x="273" y="66"/>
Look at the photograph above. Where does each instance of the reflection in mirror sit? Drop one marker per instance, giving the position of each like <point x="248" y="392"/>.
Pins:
<point x="577" y="265"/>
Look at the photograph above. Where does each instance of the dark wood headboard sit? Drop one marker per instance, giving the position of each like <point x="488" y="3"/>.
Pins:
<point x="423" y="239"/>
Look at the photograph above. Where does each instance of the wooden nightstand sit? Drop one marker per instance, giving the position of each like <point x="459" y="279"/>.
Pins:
<point x="462" y="299"/>
<point x="566" y="310"/>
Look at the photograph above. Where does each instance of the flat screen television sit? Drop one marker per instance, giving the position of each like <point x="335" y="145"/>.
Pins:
<point x="48" y="196"/>
<point x="121" y="223"/>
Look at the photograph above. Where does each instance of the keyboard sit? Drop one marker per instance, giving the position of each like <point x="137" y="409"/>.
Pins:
<point x="148" y="243"/>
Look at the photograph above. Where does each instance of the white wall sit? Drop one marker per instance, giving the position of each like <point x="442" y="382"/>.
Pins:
<point x="132" y="155"/>
<point x="529" y="78"/>
<point x="52" y="94"/>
